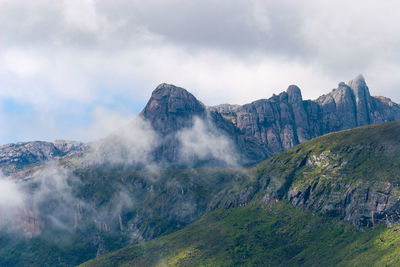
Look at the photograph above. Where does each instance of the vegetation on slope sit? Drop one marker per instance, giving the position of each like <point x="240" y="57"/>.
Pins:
<point x="279" y="235"/>
<point x="115" y="207"/>
<point x="352" y="175"/>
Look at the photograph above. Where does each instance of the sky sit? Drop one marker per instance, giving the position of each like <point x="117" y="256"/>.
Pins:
<point x="79" y="69"/>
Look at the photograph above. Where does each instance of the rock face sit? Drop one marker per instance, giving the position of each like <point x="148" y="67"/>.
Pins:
<point x="169" y="110"/>
<point x="172" y="109"/>
<point x="14" y="157"/>
<point x="352" y="175"/>
<point x="267" y="126"/>
<point x="285" y="120"/>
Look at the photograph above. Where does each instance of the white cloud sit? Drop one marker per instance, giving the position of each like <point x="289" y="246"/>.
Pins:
<point x="10" y="195"/>
<point x="81" y="15"/>
<point x="82" y="52"/>
<point x="103" y="122"/>
<point x="22" y="63"/>
<point x="204" y="142"/>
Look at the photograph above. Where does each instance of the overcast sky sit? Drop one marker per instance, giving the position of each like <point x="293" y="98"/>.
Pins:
<point x="76" y="69"/>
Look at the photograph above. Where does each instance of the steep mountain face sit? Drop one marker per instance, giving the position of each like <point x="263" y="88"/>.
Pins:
<point x="14" y="157"/>
<point x="283" y="121"/>
<point x="353" y="175"/>
<point x="169" y="110"/>
<point x="172" y="109"/>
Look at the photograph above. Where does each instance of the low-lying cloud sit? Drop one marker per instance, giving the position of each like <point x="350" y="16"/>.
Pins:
<point x="12" y="201"/>
<point x="46" y="196"/>
<point x="204" y="142"/>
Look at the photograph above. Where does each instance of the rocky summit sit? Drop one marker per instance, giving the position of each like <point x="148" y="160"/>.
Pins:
<point x="268" y="126"/>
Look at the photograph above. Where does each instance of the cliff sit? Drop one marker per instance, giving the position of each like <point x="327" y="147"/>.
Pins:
<point x="267" y="126"/>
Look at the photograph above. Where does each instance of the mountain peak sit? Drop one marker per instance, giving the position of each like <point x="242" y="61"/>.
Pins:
<point x="169" y="90"/>
<point x="359" y="85"/>
<point x="294" y="94"/>
<point x="359" y="78"/>
<point x="170" y="107"/>
<point x="363" y="99"/>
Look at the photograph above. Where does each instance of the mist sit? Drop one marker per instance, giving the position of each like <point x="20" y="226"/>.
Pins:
<point x="204" y="142"/>
<point x="50" y="196"/>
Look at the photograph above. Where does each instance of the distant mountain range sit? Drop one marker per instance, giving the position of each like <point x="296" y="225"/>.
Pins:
<point x="256" y="131"/>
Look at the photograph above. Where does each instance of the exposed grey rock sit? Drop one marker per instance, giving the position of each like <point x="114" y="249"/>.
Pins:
<point x="172" y="109"/>
<point x="283" y="121"/>
<point x="14" y="157"/>
<point x="362" y="100"/>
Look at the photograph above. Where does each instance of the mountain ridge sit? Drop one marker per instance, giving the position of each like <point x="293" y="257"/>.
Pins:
<point x="256" y="130"/>
<point x="266" y="127"/>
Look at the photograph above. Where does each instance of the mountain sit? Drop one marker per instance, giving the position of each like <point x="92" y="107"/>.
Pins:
<point x="72" y="201"/>
<point x="349" y="179"/>
<point x="171" y="110"/>
<point x="285" y="120"/>
<point x="325" y="202"/>
<point x="267" y="126"/>
<point x="250" y="133"/>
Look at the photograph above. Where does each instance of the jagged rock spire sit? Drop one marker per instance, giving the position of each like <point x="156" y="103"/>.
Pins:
<point x="362" y="98"/>
<point x="294" y="93"/>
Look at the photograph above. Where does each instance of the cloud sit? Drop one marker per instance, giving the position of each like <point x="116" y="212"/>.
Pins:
<point x="12" y="201"/>
<point x="105" y="121"/>
<point x="85" y="52"/>
<point x="130" y="144"/>
<point x="203" y="142"/>
<point x="45" y="197"/>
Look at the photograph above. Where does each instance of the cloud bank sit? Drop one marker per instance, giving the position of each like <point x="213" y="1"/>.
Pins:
<point x="60" y="61"/>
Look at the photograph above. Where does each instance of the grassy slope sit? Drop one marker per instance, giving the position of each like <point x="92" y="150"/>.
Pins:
<point x="284" y="235"/>
<point x="160" y="203"/>
<point x="362" y="159"/>
<point x="279" y="235"/>
<point x="371" y="153"/>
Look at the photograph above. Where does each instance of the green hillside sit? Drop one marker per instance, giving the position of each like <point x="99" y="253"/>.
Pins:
<point x="279" y="235"/>
<point x="349" y="179"/>
<point x="117" y="207"/>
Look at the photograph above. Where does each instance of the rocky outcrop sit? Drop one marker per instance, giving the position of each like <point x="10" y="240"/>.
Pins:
<point x="285" y="120"/>
<point x="267" y="126"/>
<point x="169" y="110"/>
<point x="352" y="175"/>
<point x="172" y="109"/>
